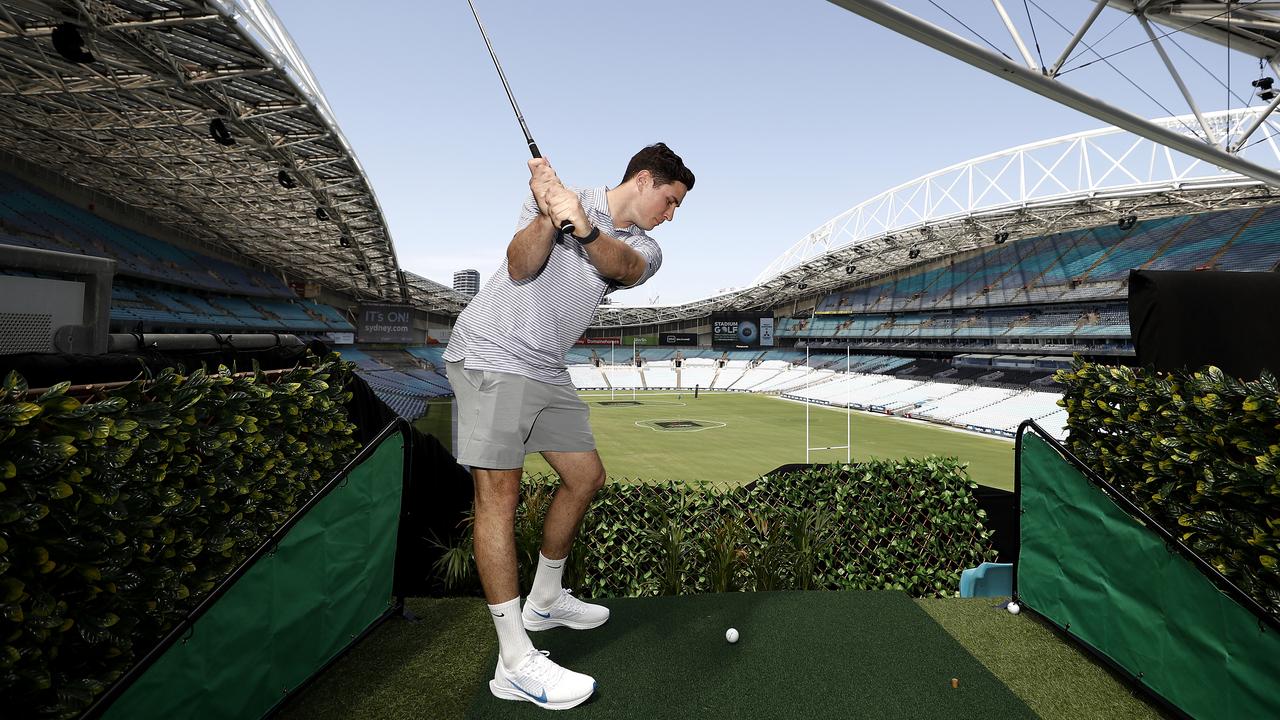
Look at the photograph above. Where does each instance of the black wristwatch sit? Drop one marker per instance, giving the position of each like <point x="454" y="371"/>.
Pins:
<point x="590" y="238"/>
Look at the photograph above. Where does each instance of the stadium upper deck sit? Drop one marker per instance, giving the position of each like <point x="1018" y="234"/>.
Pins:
<point x="206" y="120"/>
<point x="1046" y="189"/>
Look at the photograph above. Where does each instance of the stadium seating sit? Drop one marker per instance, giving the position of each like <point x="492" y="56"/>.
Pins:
<point x="660" y="376"/>
<point x="185" y="290"/>
<point x="1069" y="286"/>
<point x="432" y="354"/>
<point x="727" y="377"/>
<point x="578" y="356"/>
<point x="692" y="376"/>
<point x="587" y="377"/>
<point x="624" y="377"/>
<point x="36" y="219"/>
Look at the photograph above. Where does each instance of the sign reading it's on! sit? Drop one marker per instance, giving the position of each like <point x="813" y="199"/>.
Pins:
<point x="385" y="324"/>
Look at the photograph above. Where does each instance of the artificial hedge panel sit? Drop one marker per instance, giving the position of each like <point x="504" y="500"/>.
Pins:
<point x="120" y="510"/>
<point x="1198" y="451"/>
<point x="910" y="524"/>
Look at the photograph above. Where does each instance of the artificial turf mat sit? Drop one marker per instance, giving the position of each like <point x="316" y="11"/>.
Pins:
<point x="802" y="655"/>
<point x="1027" y="654"/>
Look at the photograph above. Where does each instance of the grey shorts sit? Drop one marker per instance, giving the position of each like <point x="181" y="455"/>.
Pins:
<point x="503" y="416"/>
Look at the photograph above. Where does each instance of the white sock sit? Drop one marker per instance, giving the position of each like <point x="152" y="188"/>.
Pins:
<point x="546" y="581"/>
<point x="513" y="641"/>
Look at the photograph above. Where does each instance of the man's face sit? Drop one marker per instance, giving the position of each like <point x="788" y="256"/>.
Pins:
<point x="658" y="203"/>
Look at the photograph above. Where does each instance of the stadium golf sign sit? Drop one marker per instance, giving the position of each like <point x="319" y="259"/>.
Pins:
<point x="741" y="330"/>
<point x="382" y="323"/>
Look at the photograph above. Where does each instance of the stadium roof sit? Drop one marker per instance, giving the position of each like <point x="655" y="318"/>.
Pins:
<point x="136" y="122"/>
<point x="1249" y="27"/>
<point x="1082" y="180"/>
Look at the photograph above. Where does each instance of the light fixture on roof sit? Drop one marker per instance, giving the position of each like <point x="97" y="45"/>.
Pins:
<point x="69" y="43"/>
<point x="344" y="241"/>
<point x="802" y="285"/>
<point x="913" y="253"/>
<point x="850" y="269"/>
<point x="286" y="181"/>
<point x="322" y="214"/>
<point x="1001" y="237"/>
<point x="220" y="134"/>
<point x="1265" y="93"/>
<point x="1127" y="222"/>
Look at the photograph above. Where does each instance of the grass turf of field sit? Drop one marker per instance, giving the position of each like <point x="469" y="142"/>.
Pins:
<point x="759" y="434"/>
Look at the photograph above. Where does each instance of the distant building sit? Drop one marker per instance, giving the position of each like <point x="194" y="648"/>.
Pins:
<point x="467" y="282"/>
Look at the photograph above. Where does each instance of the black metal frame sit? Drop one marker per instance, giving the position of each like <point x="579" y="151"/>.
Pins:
<point x="113" y="693"/>
<point x="1172" y="542"/>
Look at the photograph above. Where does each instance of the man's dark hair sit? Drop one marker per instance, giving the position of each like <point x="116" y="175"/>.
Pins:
<point x="664" y="165"/>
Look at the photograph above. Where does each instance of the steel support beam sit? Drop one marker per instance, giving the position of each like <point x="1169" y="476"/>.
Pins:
<point x="939" y="39"/>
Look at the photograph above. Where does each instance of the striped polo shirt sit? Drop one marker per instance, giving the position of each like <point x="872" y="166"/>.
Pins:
<point x="526" y="327"/>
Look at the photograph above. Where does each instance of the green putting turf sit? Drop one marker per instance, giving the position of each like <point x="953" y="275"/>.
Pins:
<point x="802" y="655"/>
<point x="434" y="668"/>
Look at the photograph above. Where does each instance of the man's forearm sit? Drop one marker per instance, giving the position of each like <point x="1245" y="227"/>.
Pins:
<point x="615" y="259"/>
<point x="530" y="247"/>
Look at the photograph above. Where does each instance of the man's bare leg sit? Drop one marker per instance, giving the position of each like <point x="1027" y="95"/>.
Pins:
<point x="522" y="672"/>
<point x="581" y="475"/>
<point x="497" y="494"/>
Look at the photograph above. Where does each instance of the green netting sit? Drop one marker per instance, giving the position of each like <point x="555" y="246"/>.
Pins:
<point x="1089" y="567"/>
<point x="294" y="610"/>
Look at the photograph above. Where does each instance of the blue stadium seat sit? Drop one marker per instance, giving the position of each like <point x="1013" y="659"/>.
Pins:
<point x="987" y="580"/>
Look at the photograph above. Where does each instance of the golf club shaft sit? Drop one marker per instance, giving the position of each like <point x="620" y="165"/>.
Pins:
<point x="566" y="227"/>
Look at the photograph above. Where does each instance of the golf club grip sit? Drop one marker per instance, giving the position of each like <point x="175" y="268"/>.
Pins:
<point x="566" y="227"/>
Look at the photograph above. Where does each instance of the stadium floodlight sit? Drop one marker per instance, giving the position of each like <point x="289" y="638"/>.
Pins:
<point x="1265" y="93"/>
<point x="69" y="43"/>
<point x="220" y="134"/>
<point x="1127" y="222"/>
<point x="344" y="241"/>
<point x="913" y="253"/>
<point x="286" y="181"/>
<point x="1001" y="237"/>
<point x="850" y="269"/>
<point x="803" y="285"/>
<point x="322" y="214"/>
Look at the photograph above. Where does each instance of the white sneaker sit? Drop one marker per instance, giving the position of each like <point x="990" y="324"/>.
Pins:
<point x="542" y="682"/>
<point x="567" y="611"/>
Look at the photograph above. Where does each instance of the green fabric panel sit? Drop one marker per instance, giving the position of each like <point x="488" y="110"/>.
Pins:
<point x="1089" y="567"/>
<point x="294" y="610"/>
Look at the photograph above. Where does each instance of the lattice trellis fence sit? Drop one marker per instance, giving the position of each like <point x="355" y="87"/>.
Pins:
<point x="909" y="524"/>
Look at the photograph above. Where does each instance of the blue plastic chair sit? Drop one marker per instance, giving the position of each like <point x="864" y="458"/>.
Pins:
<point x="987" y="580"/>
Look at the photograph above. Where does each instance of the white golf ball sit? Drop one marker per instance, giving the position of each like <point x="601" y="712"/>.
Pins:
<point x="1013" y="608"/>
<point x="731" y="635"/>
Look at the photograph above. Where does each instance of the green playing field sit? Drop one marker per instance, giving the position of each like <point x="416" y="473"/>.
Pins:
<point x="735" y="437"/>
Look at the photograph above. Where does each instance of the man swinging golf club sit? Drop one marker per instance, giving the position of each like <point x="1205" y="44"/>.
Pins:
<point x="506" y="362"/>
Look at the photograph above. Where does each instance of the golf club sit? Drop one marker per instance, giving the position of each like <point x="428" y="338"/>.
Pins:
<point x="566" y="227"/>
